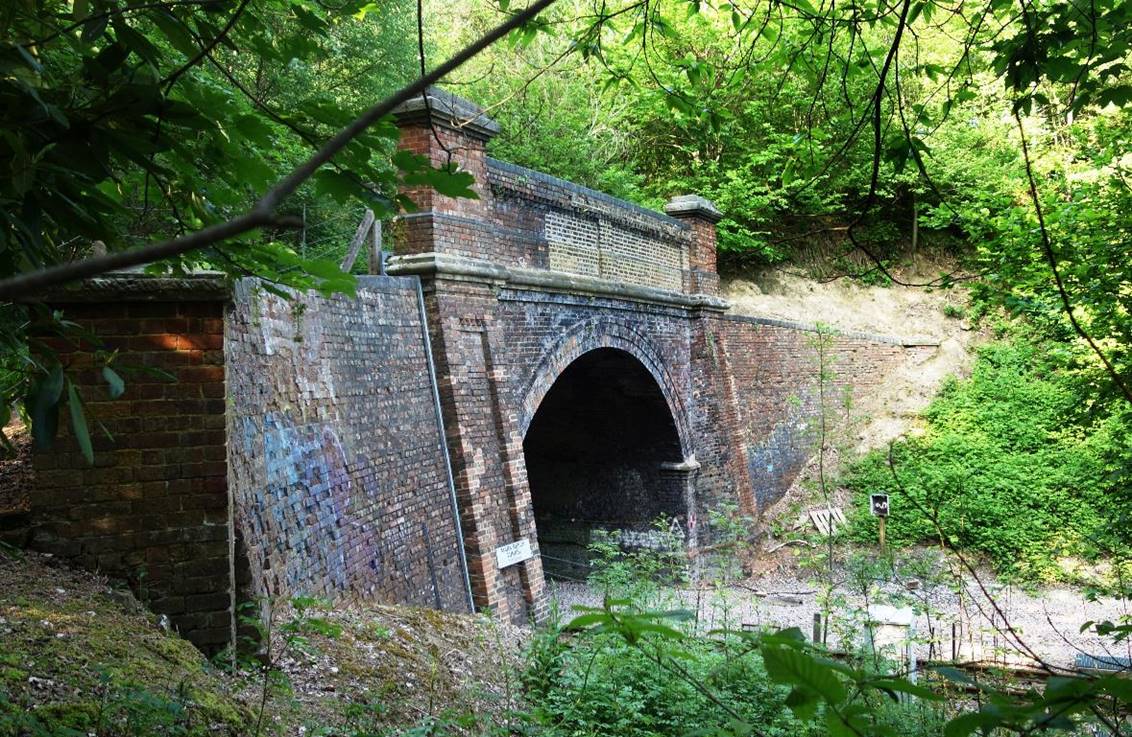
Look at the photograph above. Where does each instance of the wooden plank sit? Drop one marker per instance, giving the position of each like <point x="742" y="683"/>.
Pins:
<point x="359" y="237"/>
<point x="375" y="258"/>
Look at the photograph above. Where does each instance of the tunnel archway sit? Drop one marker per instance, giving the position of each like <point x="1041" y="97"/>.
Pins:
<point x="602" y="453"/>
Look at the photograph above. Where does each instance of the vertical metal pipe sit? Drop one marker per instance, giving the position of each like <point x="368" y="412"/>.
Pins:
<point x="444" y="443"/>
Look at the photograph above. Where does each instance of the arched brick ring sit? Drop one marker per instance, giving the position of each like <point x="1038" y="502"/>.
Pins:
<point x="590" y="335"/>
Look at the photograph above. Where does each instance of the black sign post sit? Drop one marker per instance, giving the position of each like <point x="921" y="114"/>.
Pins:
<point x="878" y="505"/>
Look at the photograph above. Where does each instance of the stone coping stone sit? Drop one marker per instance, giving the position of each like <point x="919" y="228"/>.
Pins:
<point x="577" y="189"/>
<point x="137" y="286"/>
<point x="448" y="110"/>
<point x="907" y="342"/>
<point x="692" y="205"/>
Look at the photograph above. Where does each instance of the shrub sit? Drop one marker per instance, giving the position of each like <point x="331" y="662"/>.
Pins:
<point x="1013" y="464"/>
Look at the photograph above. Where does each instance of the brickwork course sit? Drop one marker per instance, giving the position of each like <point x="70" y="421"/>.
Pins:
<point x="542" y="363"/>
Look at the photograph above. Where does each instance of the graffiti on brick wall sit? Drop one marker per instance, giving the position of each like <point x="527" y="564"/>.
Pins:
<point x="775" y="461"/>
<point x="327" y="532"/>
<point x="305" y="497"/>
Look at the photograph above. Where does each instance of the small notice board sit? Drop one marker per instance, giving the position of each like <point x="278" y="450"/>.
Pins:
<point x="512" y="553"/>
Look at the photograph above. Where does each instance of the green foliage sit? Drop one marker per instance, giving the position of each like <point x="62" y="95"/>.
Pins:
<point x="634" y="672"/>
<point x="1014" y="464"/>
<point x="636" y="573"/>
<point x="609" y="682"/>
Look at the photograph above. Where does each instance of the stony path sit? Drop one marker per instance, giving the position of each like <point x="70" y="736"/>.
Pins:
<point x="1048" y="623"/>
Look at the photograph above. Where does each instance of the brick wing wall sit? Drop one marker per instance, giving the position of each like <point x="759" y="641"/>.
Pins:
<point x="771" y="374"/>
<point x="153" y="508"/>
<point x="337" y="469"/>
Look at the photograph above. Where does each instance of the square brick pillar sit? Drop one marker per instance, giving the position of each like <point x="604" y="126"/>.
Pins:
<point x="702" y="215"/>
<point x="449" y="131"/>
<point x="483" y="437"/>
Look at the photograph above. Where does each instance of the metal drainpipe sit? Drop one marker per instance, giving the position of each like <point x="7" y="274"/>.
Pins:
<point x="443" y="441"/>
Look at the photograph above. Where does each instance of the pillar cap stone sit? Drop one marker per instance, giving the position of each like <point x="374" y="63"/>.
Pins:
<point x="447" y="110"/>
<point x="692" y="205"/>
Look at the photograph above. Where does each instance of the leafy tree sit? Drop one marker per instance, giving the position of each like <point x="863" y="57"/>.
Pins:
<point x="128" y="123"/>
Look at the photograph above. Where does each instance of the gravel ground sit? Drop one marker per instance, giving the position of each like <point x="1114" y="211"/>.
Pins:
<point x="1047" y="623"/>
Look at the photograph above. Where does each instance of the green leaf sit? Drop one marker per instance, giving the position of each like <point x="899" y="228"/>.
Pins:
<point x="255" y="129"/>
<point x="94" y="28"/>
<point x="137" y="43"/>
<point x="43" y="407"/>
<point x="964" y="724"/>
<point x="803" y="702"/>
<point x="337" y="185"/>
<point x="176" y="32"/>
<point x="901" y="685"/>
<point x="117" y="386"/>
<point x="78" y="423"/>
<point x="449" y="183"/>
<point x="794" y="667"/>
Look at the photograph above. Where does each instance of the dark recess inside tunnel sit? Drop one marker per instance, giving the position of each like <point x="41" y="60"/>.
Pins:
<point x="595" y="453"/>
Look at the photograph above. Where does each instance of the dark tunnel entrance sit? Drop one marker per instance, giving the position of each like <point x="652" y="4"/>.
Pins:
<point x="600" y="452"/>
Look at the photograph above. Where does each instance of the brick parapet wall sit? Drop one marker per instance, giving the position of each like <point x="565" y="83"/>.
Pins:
<point x="525" y="218"/>
<point x="582" y="231"/>
<point x="152" y="510"/>
<point x="337" y="467"/>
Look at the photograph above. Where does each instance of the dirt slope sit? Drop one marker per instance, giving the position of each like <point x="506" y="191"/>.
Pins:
<point x="896" y="311"/>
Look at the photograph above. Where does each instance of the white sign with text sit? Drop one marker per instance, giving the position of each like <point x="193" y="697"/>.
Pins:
<point x="512" y="553"/>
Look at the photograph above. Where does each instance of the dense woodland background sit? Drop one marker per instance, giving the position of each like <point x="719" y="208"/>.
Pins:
<point x="976" y="146"/>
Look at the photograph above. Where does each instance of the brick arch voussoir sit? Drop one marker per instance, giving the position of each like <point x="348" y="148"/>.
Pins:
<point x="593" y="334"/>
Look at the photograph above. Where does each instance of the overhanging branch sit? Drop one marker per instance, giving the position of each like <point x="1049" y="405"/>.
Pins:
<point x="263" y="212"/>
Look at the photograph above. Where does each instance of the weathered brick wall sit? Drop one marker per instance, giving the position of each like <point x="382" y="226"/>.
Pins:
<point x="153" y="508"/>
<point x="334" y="479"/>
<point x="527" y="218"/>
<point x="772" y="370"/>
<point x="538" y="274"/>
<point x="337" y="470"/>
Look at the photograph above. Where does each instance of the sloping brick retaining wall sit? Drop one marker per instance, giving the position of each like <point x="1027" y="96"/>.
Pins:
<point x="338" y="471"/>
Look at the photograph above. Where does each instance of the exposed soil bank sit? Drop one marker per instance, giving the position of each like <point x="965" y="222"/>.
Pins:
<point x="898" y="311"/>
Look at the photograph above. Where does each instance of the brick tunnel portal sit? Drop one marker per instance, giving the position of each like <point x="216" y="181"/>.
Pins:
<point x="596" y="452"/>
